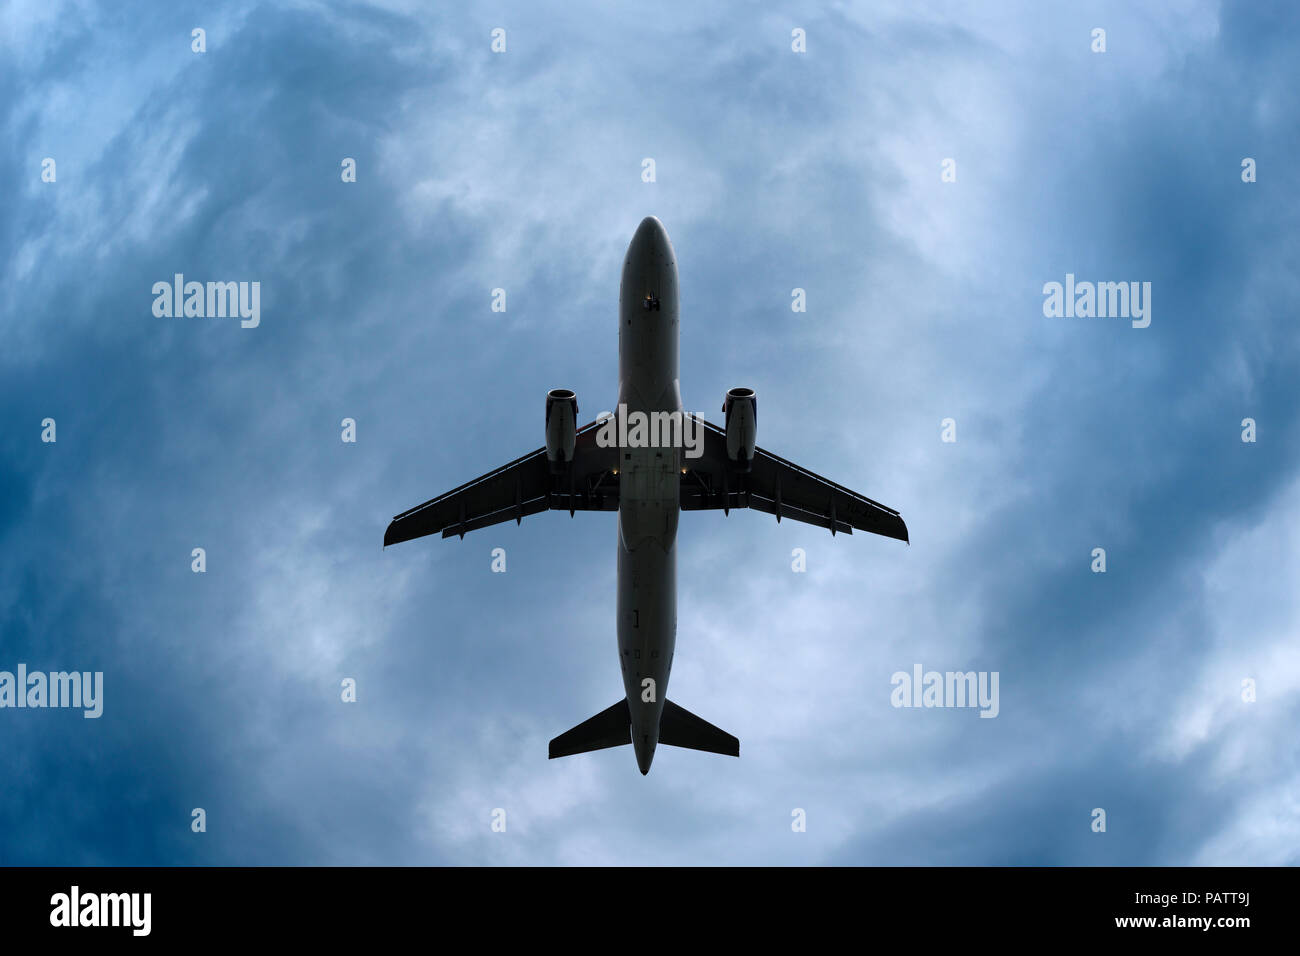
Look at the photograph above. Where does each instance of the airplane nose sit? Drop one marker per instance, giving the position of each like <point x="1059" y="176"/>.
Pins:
<point x="650" y="240"/>
<point x="652" y="225"/>
<point x="649" y="285"/>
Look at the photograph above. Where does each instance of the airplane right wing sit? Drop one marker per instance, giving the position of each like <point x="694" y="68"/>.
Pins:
<point x="526" y="486"/>
<point x="780" y="488"/>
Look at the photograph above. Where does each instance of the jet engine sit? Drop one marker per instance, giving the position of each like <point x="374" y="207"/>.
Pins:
<point x="741" y="410"/>
<point x="561" y="426"/>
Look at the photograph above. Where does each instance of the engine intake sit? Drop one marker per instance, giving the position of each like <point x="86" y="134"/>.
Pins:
<point x="561" y="426"/>
<point x="740" y="406"/>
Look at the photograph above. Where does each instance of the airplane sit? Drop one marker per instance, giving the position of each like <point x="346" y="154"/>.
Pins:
<point x="648" y="484"/>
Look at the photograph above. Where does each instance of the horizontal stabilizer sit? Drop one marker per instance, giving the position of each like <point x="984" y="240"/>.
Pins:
<point x="680" y="728"/>
<point x="612" y="727"/>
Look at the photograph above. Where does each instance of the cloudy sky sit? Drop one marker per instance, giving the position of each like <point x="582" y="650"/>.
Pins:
<point x="775" y="170"/>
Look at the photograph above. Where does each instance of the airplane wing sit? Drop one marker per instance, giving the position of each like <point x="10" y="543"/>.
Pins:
<point x="779" y="487"/>
<point x="524" y="487"/>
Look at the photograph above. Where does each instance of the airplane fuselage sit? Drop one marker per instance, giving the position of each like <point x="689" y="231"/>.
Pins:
<point x="649" y="483"/>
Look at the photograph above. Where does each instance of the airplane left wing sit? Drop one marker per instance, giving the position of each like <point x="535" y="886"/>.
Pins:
<point x="781" y="488"/>
<point x="524" y="487"/>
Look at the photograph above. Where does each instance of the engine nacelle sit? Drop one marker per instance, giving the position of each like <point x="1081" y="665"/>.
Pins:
<point x="561" y="426"/>
<point x="741" y="410"/>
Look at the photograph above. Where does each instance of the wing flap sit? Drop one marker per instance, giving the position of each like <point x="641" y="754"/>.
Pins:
<point x="776" y="486"/>
<point x="536" y="506"/>
<point x="759" y="503"/>
<point x="525" y="486"/>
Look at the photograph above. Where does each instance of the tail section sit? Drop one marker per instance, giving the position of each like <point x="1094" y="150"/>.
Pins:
<point x="612" y="727"/>
<point x="680" y="728"/>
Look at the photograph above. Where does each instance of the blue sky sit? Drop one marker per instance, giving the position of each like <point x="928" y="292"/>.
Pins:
<point x="775" y="170"/>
